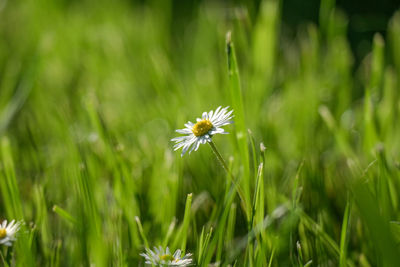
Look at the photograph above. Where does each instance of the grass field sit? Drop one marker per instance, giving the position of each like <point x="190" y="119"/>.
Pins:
<point x="91" y="94"/>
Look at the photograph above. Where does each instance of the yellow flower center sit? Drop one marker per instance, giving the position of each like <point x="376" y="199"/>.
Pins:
<point x="3" y="233"/>
<point x="202" y="127"/>
<point x="167" y="257"/>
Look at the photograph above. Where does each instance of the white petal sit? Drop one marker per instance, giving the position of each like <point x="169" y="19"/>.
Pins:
<point x="177" y="253"/>
<point x="217" y="111"/>
<point x="184" y="149"/>
<point x="196" y="145"/>
<point x="210" y="114"/>
<point x="189" y="124"/>
<point x="179" y="139"/>
<point x="216" y="131"/>
<point x="203" y="139"/>
<point x="184" y="131"/>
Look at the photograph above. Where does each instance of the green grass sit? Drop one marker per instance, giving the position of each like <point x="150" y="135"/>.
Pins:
<point x="90" y="96"/>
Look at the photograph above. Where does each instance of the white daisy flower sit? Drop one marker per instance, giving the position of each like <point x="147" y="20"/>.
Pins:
<point x="7" y="232"/>
<point x="201" y="132"/>
<point x="161" y="257"/>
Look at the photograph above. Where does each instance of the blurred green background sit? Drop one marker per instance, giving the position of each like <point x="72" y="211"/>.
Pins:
<point x="91" y="93"/>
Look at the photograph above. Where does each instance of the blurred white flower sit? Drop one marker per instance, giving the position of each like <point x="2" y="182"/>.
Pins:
<point x="161" y="257"/>
<point x="7" y="232"/>
<point x="201" y="132"/>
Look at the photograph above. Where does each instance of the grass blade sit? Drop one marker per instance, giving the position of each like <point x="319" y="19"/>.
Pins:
<point x="344" y="236"/>
<point x="240" y="125"/>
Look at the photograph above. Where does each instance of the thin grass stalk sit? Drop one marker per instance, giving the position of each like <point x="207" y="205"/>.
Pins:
<point x="225" y="167"/>
<point x="344" y="236"/>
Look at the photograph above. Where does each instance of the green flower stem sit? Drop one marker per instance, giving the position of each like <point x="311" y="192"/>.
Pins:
<point x="225" y="166"/>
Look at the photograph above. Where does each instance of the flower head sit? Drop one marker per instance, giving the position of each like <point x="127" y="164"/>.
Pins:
<point x="161" y="257"/>
<point x="201" y="132"/>
<point x="7" y="232"/>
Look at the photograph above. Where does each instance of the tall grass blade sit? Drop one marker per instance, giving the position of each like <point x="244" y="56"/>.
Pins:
<point x="240" y="125"/>
<point x="379" y="230"/>
<point x="344" y="236"/>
